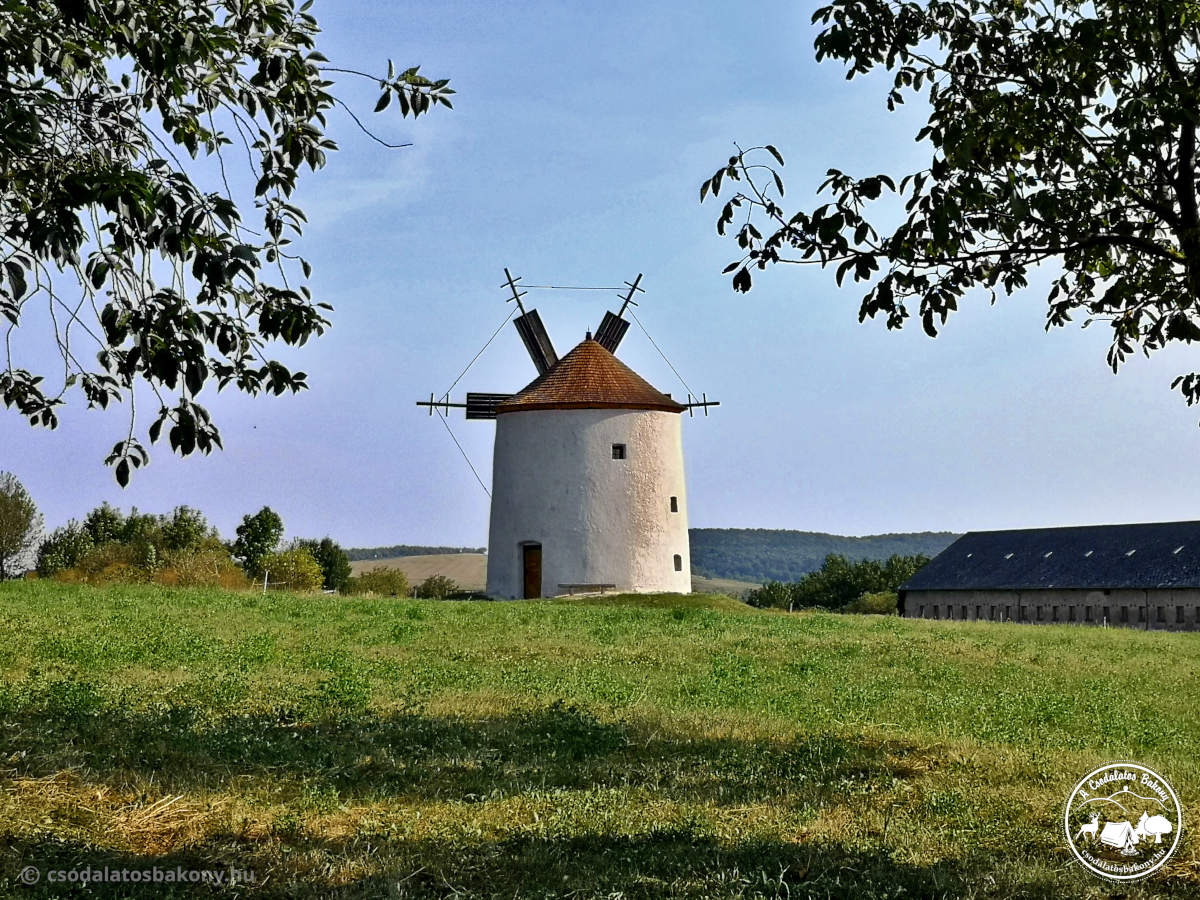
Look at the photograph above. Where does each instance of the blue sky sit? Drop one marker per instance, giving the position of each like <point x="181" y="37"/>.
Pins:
<point x="574" y="155"/>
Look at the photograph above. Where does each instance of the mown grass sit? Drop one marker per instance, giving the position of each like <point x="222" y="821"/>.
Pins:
<point x="588" y="748"/>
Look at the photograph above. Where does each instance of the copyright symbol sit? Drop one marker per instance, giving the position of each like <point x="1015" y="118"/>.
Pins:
<point x="30" y="875"/>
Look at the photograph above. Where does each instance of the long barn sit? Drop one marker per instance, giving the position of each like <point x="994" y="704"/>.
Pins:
<point x="1135" y="576"/>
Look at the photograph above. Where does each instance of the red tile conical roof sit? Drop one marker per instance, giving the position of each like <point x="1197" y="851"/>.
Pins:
<point x="589" y="377"/>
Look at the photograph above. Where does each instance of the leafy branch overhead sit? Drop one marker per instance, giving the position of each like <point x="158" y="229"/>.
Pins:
<point x="135" y="140"/>
<point x="1060" y="133"/>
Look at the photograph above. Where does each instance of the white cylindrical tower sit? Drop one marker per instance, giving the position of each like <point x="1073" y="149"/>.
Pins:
<point x="588" y="484"/>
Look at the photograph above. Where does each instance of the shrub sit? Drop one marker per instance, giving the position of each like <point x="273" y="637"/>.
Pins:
<point x="334" y="562"/>
<point x="883" y="603"/>
<point x="212" y="567"/>
<point x="63" y="549"/>
<point x="111" y="563"/>
<point x="771" y="594"/>
<point x="436" y="587"/>
<point x="292" y="570"/>
<point x="385" y="581"/>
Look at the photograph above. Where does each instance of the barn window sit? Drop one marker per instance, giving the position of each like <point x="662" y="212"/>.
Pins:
<point x="678" y="563"/>
<point x="618" y="451"/>
<point x="1054" y="614"/>
<point x="1041" y="613"/>
<point x="937" y="611"/>
<point x="963" y="611"/>
<point x="1141" y="614"/>
<point x="674" y="504"/>
<point x="1125" y="613"/>
<point x="1106" y="615"/>
<point x="992" y="614"/>
<point x="1179" y="615"/>
<point x="979" y="612"/>
<point x="1070" y="614"/>
<point x="921" y="611"/>
<point x="1162" y="614"/>
<point x="1087" y="614"/>
<point x="1007" y="613"/>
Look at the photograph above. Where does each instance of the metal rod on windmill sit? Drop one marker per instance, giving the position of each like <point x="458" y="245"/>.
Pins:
<point x="532" y="331"/>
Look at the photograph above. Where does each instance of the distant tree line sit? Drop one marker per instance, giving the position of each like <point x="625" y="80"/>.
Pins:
<point x="867" y="586"/>
<point x="759" y="554"/>
<point x="181" y="549"/>
<point x="360" y="553"/>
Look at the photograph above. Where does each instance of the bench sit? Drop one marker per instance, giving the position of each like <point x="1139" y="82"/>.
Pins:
<point x="586" y="588"/>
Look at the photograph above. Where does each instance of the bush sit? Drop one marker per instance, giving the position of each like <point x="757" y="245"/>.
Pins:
<point x="385" y="581"/>
<point x="881" y="603"/>
<point x="111" y="563"/>
<point x="334" y="562"/>
<point x="436" y="587"/>
<point x="212" y="567"/>
<point x="771" y="594"/>
<point x="63" y="549"/>
<point x="292" y="570"/>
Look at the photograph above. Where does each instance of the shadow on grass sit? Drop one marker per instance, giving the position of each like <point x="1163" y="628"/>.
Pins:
<point x="667" y="863"/>
<point x="420" y="757"/>
<point x="423" y="757"/>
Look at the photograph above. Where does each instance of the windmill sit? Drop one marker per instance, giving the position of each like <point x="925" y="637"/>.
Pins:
<point x="588" y="481"/>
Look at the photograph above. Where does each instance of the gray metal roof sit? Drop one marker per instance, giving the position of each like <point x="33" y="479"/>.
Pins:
<point x="1149" y="555"/>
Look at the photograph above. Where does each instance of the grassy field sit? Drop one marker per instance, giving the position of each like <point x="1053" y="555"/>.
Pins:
<point x="690" y="747"/>
<point x="469" y="571"/>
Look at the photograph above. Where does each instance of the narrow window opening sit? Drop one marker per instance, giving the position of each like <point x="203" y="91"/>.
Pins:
<point x="678" y="563"/>
<point x="618" y="451"/>
<point x="674" y="504"/>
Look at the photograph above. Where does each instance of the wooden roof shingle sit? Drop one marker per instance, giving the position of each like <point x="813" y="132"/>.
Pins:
<point x="589" y="377"/>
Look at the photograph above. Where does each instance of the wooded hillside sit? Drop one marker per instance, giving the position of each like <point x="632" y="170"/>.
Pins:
<point x="763" y="554"/>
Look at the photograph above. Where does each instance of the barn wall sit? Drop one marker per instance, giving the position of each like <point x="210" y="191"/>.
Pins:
<point x="599" y="520"/>
<point x="1173" y="610"/>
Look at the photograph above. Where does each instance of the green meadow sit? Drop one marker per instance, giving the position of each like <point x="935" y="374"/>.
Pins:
<point x="616" y="748"/>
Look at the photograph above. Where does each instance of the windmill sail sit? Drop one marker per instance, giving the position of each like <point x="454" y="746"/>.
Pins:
<point x="536" y="340"/>
<point x="483" y="406"/>
<point x="610" y="332"/>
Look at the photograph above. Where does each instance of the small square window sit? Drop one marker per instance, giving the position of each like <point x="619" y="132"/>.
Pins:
<point x="618" y="451"/>
<point x="674" y="504"/>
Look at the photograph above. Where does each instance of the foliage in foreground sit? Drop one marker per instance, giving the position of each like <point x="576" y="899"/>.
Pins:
<point x="362" y="749"/>
<point x="103" y="102"/>
<point x="1062" y="133"/>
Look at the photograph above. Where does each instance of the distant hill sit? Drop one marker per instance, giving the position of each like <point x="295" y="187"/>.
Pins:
<point x="405" y="550"/>
<point x="740" y="554"/>
<point x="762" y="554"/>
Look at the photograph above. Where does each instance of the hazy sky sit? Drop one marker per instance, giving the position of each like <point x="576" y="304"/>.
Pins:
<point x="580" y="135"/>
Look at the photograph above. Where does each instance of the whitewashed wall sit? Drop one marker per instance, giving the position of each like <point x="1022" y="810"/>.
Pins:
<point x="599" y="520"/>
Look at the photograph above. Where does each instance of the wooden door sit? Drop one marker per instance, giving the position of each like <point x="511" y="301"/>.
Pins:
<point x="532" y="558"/>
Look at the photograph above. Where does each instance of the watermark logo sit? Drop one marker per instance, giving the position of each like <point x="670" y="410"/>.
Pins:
<point x="89" y="875"/>
<point x="1123" y="821"/>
